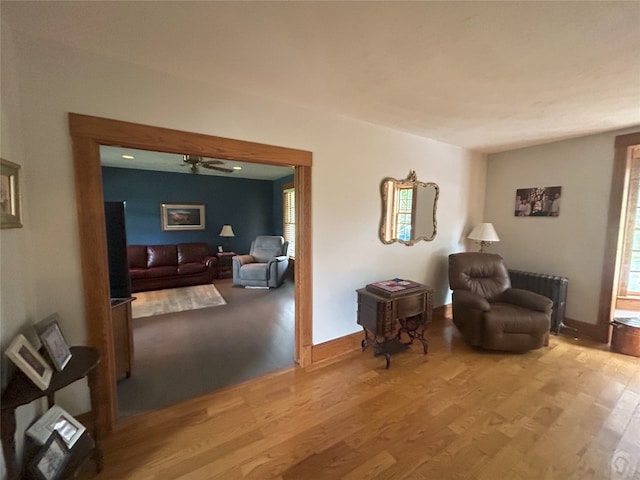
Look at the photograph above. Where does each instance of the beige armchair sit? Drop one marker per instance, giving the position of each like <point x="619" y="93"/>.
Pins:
<point x="266" y="264"/>
<point x="488" y="312"/>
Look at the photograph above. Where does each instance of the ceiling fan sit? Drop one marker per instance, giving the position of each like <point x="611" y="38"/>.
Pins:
<point x="196" y="162"/>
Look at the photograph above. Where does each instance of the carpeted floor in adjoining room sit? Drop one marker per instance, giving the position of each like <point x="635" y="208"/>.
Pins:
<point x="182" y="355"/>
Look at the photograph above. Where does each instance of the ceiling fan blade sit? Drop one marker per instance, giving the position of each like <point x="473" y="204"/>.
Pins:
<point x="206" y="163"/>
<point x="220" y="169"/>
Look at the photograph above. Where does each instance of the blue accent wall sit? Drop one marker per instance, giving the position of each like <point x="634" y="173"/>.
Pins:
<point x="247" y="205"/>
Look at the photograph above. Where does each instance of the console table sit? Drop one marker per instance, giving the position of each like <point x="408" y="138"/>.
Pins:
<point x="385" y="316"/>
<point x="21" y="391"/>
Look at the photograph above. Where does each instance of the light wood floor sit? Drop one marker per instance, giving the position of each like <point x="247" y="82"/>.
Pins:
<point x="569" y="411"/>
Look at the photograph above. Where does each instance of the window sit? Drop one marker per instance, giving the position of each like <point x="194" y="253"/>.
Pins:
<point x="402" y="211"/>
<point x="289" y="218"/>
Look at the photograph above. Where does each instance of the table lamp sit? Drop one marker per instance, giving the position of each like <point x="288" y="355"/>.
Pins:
<point x="484" y="234"/>
<point x="226" y="232"/>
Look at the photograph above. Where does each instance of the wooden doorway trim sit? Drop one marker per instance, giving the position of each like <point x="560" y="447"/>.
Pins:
<point x="613" y="239"/>
<point x="88" y="134"/>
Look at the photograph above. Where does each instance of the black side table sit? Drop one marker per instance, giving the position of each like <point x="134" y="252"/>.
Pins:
<point x="225" y="267"/>
<point x="21" y="391"/>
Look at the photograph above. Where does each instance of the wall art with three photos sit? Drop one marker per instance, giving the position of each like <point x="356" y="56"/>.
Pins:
<point x="538" y="202"/>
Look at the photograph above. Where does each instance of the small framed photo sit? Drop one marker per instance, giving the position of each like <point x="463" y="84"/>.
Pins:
<point x="51" y="460"/>
<point x="56" y="419"/>
<point x="182" y="216"/>
<point x="27" y="359"/>
<point x="10" y="214"/>
<point x="53" y="340"/>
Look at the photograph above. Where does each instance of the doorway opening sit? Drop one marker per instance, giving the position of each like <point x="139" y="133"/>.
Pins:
<point x="88" y="134"/>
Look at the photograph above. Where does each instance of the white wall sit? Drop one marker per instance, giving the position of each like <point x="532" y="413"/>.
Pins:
<point x="349" y="160"/>
<point x="571" y="245"/>
<point x="16" y="300"/>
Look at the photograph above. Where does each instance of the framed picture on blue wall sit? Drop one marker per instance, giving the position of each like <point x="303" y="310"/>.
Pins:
<point x="182" y="216"/>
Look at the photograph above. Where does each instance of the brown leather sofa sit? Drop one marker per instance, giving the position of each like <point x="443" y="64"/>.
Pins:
<point x="488" y="312"/>
<point x="154" y="267"/>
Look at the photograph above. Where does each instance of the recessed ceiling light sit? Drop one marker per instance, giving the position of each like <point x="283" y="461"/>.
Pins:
<point x="128" y="157"/>
<point x="237" y="168"/>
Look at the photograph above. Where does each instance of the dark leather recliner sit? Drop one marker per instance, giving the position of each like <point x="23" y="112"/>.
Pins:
<point x="488" y="312"/>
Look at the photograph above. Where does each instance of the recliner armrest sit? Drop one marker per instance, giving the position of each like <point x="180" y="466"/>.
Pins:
<point x="526" y="299"/>
<point x="242" y="259"/>
<point x="280" y="258"/>
<point x="471" y="300"/>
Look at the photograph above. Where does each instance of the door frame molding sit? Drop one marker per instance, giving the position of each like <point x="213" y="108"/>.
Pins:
<point x="88" y="133"/>
<point x="618" y="195"/>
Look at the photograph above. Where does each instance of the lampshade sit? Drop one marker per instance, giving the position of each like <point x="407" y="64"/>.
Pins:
<point x="227" y="231"/>
<point x="484" y="234"/>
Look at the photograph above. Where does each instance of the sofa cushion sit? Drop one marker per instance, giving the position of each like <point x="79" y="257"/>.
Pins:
<point x="166" y="271"/>
<point x="137" y="256"/>
<point x="192" y="252"/>
<point x="136" y="273"/>
<point x="162" y="256"/>
<point x="189" y="268"/>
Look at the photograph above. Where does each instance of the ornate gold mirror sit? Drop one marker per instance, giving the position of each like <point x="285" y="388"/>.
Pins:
<point x="408" y="210"/>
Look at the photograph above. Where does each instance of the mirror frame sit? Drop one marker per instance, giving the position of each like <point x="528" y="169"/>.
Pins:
<point x="411" y="180"/>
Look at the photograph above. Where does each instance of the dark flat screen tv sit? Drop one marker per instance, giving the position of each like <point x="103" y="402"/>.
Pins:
<point x="119" y="282"/>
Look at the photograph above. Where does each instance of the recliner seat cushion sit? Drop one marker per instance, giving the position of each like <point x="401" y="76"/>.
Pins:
<point x="507" y="318"/>
<point x="254" y="272"/>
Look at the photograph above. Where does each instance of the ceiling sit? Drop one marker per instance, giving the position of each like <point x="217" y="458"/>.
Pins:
<point x="169" y="162"/>
<point x="488" y="76"/>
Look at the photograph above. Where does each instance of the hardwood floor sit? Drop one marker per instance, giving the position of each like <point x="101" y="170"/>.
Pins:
<point x="569" y="411"/>
<point x="182" y="355"/>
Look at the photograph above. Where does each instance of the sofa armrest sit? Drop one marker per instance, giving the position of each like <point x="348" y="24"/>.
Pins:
<point x="526" y="299"/>
<point x="471" y="300"/>
<point x="210" y="261"/>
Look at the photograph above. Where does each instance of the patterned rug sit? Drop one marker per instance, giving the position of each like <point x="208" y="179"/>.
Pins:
<point x="173" y="300"/>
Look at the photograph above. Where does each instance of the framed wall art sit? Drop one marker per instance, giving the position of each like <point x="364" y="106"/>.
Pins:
<point x="538" y="202"/>
<point x="10" y="213"/>
<point x="27" y="359"/>
<point x="182" y="216"/>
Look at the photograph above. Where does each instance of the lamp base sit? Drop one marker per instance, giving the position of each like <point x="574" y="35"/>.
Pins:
<point x="483" y="245"/>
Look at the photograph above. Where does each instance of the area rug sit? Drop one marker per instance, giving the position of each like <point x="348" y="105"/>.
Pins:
<point x="173" y="300"/>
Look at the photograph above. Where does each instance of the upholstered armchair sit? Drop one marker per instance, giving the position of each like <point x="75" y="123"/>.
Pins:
<point x="266" y="264"/>
<point x="488" y="312"/>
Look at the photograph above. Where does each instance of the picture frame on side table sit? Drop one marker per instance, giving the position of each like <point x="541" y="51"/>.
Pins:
<point x="182" y="216"/>
<point x="29" y="361"/>
<point x="51" y="459"/>
<point x="10" y="212"/>
<point x="53" y="341"/>
<point x="56" y="419"/>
